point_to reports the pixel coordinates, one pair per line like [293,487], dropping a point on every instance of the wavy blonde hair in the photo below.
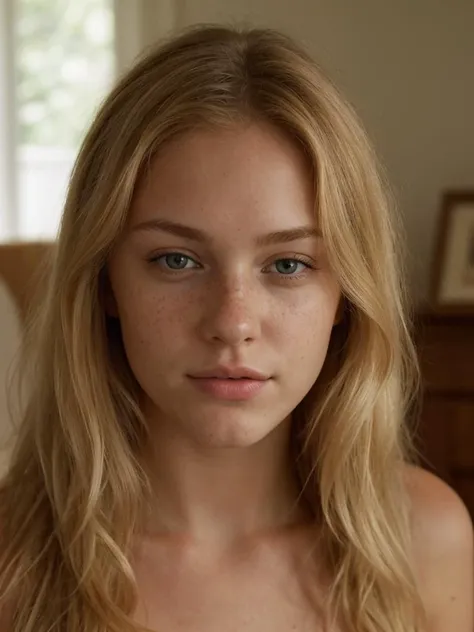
[74,493]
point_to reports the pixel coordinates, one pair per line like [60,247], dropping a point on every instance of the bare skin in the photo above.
[443,552]
[226,544]
[269,583]
[264,582]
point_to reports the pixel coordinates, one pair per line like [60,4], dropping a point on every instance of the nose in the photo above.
[232,314]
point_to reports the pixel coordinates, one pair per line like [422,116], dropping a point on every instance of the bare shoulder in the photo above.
[443,550]
[437,508]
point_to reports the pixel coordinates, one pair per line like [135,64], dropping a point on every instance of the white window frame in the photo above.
[138,23]
[8,189]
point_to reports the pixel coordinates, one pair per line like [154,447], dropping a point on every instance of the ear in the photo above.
[110,304]
[341,308]
[107,296]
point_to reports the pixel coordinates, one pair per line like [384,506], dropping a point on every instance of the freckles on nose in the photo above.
[230,312]
[236,299]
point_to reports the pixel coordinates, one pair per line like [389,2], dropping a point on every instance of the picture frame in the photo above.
[453,278]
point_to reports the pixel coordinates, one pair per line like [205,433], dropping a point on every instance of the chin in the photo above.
[230,433]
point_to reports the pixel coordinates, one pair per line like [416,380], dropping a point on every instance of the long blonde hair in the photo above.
[74,493]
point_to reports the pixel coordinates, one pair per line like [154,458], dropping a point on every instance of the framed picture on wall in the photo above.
[453,278]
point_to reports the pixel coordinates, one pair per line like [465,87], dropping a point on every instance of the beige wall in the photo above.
[408,67]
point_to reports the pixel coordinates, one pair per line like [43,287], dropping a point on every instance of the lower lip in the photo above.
[236,390]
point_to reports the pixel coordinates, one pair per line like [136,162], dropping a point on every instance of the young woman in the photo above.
[215,437]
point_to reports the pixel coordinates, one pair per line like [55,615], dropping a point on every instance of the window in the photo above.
[57,63]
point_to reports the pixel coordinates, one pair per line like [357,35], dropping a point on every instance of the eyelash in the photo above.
[285,277]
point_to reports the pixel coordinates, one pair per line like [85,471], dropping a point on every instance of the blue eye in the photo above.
[174,260]
[286,268]
[290,265]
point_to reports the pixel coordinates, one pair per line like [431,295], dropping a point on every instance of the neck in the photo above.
[220,494]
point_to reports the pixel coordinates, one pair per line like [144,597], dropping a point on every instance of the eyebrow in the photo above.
[195,234]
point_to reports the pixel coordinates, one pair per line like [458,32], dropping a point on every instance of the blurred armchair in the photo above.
[19,263]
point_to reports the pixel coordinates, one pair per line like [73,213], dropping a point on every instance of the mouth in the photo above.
[232,373]
[228,388]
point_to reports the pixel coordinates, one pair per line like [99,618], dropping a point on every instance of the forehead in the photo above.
[253,174]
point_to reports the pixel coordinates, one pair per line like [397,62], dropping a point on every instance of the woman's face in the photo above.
[221,266]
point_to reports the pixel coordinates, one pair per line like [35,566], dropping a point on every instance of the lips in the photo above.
[235,383]
[229,388]
[231,373]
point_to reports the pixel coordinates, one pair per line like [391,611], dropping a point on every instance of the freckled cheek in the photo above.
[151,320]
[306,327]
